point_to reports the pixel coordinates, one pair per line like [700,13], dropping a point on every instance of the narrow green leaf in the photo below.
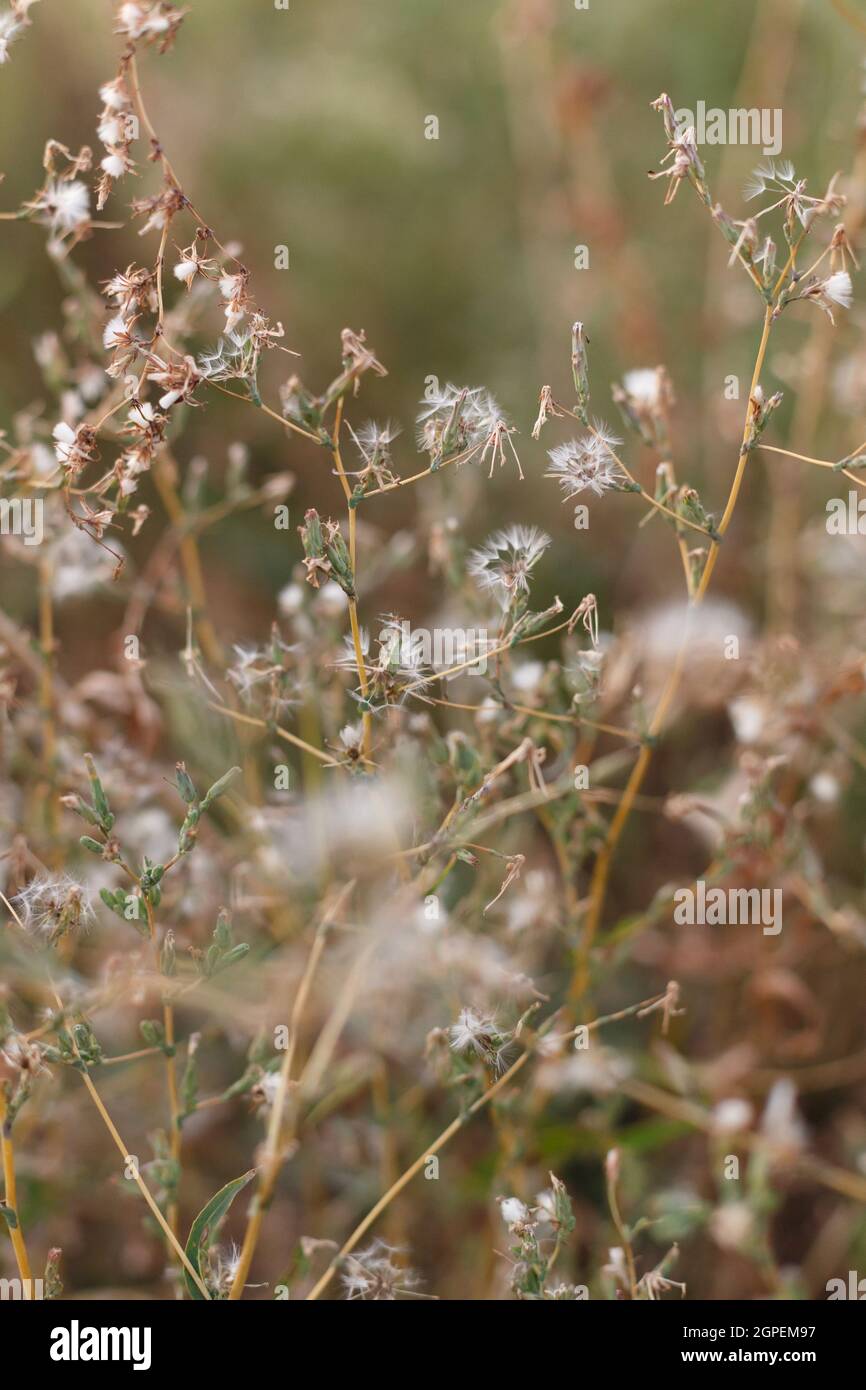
[219,787]
[205,1226]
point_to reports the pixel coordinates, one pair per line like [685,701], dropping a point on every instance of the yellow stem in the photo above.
[848,14]
[170,1069]
[453,1128]
[174,1105]
[397,1187]
[280,732]
[190,559]
[274,1145]
[601,868]
[143,1188]
[820,463]
[367,722]
[622,1232]
[136,1176]
[16,1234]
[46,690]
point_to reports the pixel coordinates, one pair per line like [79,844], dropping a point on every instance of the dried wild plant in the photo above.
[284,914]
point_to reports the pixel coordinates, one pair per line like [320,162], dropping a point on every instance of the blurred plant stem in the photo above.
[353,603]
[165,474]
[456,1125]
[13,1221]
[136,1176]
[46,692]
[601,868]
[276,1141]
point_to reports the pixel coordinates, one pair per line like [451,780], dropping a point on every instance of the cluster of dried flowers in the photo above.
[420,894]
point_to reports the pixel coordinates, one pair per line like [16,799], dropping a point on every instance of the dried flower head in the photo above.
[504,563]
[834,291]
[52,905]
[481,1036]
[373,1275]
[463,423]
[587,464]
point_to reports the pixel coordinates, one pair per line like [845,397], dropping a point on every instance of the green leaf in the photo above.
[185,785]
[219,787]
[233,956]
[205,1226]
[100,800]
[9,1216]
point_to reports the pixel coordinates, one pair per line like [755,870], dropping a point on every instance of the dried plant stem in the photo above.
[601,868]
[275,1143]
[782,557]
[576,719]
[136,1176]
[16,1234]
[819,463]
[280,732]
[396,1188]
[325,1045]
[190,559]
[425,472]
[173,1102]
[135,89]
[473,660]
[160,267]
[170,1069]
[844,9]
[846,1184]
[734,493]
[130,1056]
[622,1232]
[353,603]
[46,690]
[171,177]
[646,496]
[266,410]
[362,675]
[142,1186]
[770,53]
[687,569]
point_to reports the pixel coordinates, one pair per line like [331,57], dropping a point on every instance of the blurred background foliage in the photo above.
[306,128]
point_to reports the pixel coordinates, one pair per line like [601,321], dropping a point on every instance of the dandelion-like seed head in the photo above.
[460,420]
[373,1275]
[224,1266]
[643,386]
[587,464]
[23,1057]
[374,438]
[51,906]
[373,442]
[778,180]
[839,290]
[505,561]
[480,1035]
[515,1214]
[774,175]
[64,205]
[10,28]
[833,292]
